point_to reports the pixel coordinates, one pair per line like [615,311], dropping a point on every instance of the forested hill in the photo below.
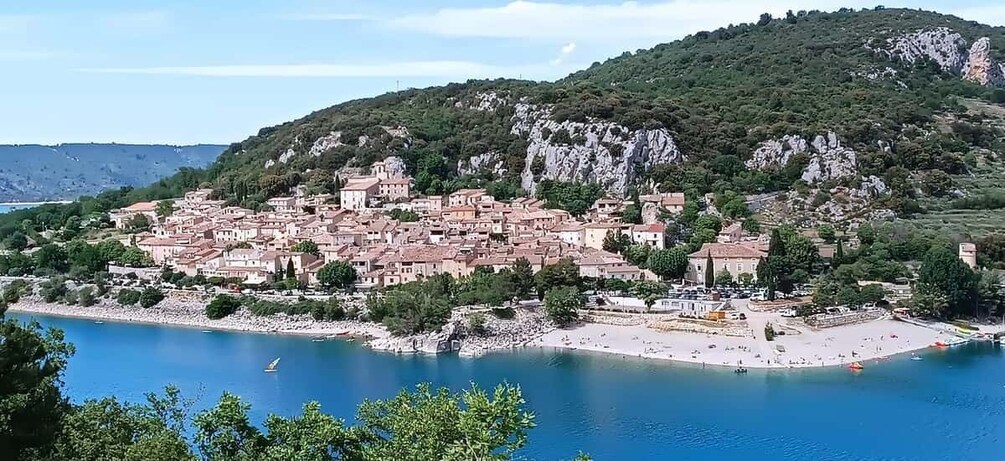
[67,171]
[886,97]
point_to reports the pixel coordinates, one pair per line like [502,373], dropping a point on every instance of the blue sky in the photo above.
[215,71]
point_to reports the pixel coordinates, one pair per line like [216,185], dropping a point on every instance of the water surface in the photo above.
[949,406]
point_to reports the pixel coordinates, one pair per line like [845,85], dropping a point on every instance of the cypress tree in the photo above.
[709,272]
[291,272]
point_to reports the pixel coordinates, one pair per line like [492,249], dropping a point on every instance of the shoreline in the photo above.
[828,348]
[639,342]
[236,323]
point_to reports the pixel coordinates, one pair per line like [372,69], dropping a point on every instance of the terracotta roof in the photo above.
[728,250]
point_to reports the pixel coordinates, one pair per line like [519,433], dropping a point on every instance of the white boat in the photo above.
[272,367]
[917,358]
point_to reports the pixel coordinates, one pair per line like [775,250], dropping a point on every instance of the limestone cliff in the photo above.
[950,51]
[599,151]
[828,159]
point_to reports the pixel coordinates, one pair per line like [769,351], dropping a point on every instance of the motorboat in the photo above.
[855,366]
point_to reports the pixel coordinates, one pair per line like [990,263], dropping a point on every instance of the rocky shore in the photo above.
[191,313]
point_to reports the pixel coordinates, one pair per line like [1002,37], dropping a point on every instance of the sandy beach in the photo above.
[831,347]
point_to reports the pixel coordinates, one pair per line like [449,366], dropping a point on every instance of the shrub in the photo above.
[150,297]
[127,297]
[222,306]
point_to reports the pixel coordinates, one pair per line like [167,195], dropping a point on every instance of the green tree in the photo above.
[51,257]
[943,273]
[826,232]
[16,241]
[709,271]
[668,263]
[564,273]
[31,404]
[138,223]
[723,278]
[225,432]
[85,297]
[562,304]
[337,274]
[307,246]
[522,275]
[291,271]
[165,208]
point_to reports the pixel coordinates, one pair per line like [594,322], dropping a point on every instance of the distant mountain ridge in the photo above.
[32,172]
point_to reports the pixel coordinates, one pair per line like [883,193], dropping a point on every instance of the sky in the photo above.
[186,71]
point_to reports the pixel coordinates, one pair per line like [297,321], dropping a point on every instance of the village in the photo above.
[454,234]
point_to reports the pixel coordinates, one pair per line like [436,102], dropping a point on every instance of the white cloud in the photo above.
[601,22]
[564,53]
[451,69]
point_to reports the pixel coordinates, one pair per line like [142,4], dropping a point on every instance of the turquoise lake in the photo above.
[950,406]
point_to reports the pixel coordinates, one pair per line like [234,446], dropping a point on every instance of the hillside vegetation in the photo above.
[684,116]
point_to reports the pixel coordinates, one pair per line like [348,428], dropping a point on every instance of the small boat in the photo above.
[272,366]
[917,359]
[317,339]
[856,366]
[207,331]
[350,340]
[940,344]
[98,322]
[740,371]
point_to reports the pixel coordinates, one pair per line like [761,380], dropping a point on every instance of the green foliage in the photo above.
[31,404]
[564,273]
[306,246]
[127,297]
[709,272]
[337,274]
[222,306]
[522,276]
[668,263]
[403,215]
[943,274]
[412,308]
[574,197]
[562,304]
[150,297]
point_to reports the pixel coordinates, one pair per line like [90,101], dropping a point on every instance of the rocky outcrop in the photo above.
[488,161]
[980,68]
[831,160]
[943,46]
[443,341]
[395,166]
[333,140]
[828,159]
[326,143]
[488,101]
[599,151]
[948,50]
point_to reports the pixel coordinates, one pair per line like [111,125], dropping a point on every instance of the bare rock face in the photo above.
[941,45]
[599,151]
[650,213]
[488,101]
[980,68]
[488,161]
[948,50]
[831,160]
[774,154]
[325,143]
[395,166]
[828,158]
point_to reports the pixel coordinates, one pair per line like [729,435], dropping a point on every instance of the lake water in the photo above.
[949,406]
